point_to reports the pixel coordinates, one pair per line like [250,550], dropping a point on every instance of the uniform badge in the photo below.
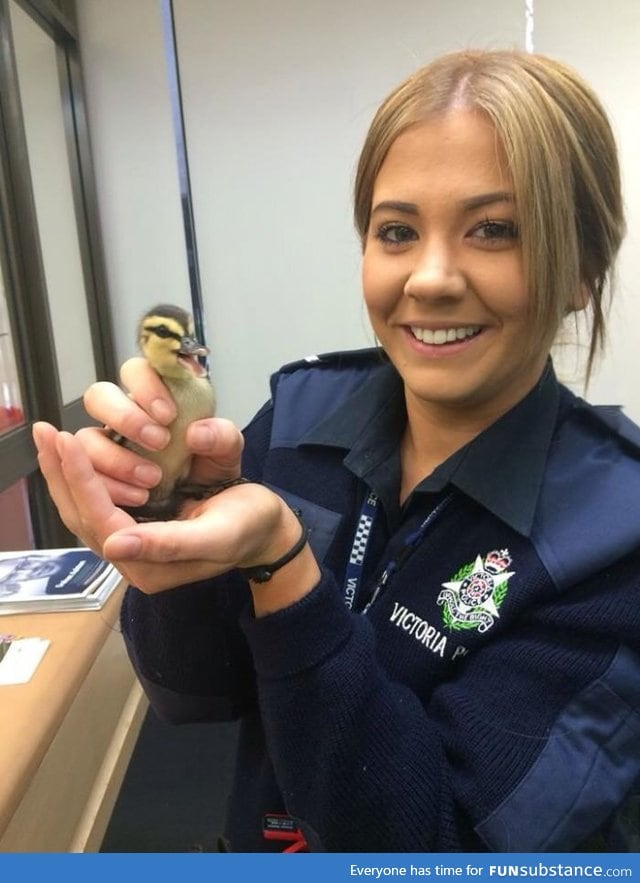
[473,596]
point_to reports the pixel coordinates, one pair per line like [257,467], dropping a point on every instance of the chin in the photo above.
[443,392]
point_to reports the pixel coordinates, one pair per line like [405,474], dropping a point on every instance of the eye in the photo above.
[395,234]
[162,331]
[495,233]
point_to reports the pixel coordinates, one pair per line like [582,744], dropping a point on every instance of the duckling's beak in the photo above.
[190,349]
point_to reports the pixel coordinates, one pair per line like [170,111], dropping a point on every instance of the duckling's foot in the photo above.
[204,491]
[167,509]
[156,510]
[194,491]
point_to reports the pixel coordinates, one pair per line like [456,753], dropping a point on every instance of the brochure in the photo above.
[42,580]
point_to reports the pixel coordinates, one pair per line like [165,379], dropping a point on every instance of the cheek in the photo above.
[369,283]
[504,291]
[380,287]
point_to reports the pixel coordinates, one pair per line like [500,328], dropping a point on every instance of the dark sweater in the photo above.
[489,697]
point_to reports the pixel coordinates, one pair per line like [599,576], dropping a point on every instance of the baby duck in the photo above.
[167,340]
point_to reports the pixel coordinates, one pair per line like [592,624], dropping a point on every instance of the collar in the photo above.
[501,469]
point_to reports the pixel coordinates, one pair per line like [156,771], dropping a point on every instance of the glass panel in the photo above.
[10,404]
[16,531]
[38,77]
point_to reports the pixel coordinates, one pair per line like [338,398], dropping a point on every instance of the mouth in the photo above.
[442,337]
[188,354]
[190,363]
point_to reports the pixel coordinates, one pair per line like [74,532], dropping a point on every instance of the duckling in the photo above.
[167,340]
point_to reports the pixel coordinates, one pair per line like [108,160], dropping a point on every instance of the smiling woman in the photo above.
[554,142]
[445,656]
[443,274]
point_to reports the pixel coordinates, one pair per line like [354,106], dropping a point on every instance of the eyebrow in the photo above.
[472,202]
[487,199]
[407,208]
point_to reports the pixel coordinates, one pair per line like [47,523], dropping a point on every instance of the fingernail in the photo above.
[154,436]
[125,547]
[134,496]
[201,438]
[147,474]
[161,411]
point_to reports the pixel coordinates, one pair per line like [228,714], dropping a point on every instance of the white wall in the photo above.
[601,41]
[37,66]
[132,142]
[278,95]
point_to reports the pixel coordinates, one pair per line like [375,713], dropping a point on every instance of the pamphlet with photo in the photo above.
[54,579]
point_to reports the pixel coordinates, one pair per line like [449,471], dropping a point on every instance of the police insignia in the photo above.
[474,595]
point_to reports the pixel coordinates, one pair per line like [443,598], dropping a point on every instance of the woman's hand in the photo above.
[142,416]
[88,474]
[243,526]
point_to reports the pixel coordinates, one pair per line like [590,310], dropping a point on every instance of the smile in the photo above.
[445,335]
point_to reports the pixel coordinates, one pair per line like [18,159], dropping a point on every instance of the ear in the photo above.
[580,300]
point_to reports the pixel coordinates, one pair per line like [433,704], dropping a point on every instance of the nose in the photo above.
[435,274]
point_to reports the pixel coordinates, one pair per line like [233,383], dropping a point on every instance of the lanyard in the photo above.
[359,546]
[353,575]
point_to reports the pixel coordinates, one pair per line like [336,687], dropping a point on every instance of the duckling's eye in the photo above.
[162,331]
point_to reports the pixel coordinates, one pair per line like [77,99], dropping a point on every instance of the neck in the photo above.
[434,432]
[427,443]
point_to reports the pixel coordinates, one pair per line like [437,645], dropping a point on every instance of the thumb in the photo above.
[218,445]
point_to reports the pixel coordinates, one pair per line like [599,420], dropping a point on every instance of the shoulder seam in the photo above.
[364,356]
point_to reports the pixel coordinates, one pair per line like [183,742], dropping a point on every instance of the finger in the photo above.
[45,438]
[97,515]
[221,530]
[118,465]
[218,439]
[148,390]
[218,444]
[108,404]
[177,541]
[217,536]
[123,494]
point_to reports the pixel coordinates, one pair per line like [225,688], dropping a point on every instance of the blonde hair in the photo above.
[562,158]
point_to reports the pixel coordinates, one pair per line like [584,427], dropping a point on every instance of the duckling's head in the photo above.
[166,339]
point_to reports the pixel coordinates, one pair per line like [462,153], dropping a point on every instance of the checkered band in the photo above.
[360,540]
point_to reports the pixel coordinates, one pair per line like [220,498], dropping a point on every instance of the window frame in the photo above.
[22,265]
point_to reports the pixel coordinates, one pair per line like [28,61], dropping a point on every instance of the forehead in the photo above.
[458,153]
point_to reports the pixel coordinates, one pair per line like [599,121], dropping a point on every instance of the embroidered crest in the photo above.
[473,596]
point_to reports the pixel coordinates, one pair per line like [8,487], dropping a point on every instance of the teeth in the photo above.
[444,335]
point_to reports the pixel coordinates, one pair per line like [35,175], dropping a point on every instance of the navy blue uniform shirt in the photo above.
[466,675]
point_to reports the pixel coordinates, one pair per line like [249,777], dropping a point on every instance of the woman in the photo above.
[451,661]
